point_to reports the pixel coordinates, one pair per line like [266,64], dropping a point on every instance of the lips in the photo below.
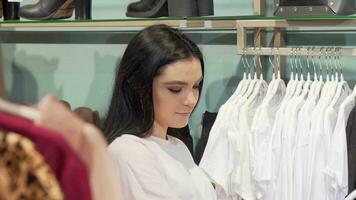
[185,114]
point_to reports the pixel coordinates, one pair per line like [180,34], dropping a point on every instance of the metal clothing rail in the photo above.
[291,51]
[279,25]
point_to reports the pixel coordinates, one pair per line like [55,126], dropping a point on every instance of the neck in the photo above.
[159,131]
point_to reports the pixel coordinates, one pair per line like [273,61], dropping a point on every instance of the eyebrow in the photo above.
[177,82]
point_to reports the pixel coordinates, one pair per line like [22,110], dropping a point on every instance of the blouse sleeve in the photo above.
[140,175]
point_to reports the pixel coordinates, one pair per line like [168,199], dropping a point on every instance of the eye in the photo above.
[197,87]
[175,90]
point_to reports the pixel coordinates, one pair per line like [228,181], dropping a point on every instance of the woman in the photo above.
[158,84]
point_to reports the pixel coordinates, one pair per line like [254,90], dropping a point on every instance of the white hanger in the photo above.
[342,86]
[315,76]
[243,85]
[274,74]
[333,83]
[248,80]
[308,82]
[292,83]
[301,81]
[320,85]
[260,87]
[278,87]
[325,90]
[253,82]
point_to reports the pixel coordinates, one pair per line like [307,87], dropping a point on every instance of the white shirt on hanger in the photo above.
[316,156]
[216,166]
[337,161]
[275,186]
[153,168]
[301,149]
[242,182]
[262,133]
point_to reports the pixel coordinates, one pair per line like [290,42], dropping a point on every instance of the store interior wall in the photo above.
[78,65]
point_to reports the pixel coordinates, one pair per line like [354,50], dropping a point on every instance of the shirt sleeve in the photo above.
[140,175]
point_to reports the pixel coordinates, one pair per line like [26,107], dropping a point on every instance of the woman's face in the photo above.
[176,92]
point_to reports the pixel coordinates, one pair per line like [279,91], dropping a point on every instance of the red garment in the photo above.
[66,165]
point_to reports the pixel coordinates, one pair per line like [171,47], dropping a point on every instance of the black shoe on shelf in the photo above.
[147,8]
[10,10]
[162,8]
[82,9]
[56,9]
[1,10]
[206,7]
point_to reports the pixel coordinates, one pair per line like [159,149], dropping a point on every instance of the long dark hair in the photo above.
[131,108]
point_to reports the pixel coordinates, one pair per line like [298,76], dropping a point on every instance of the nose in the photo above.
[191,99]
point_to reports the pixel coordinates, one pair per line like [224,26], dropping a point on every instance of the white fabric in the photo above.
[275,187]
[315,184]
[291,150]
[351,196]
[242,182]
[301,149]
[235,151]
[152,168]
[261,131]
[222,142]
[218,167]
[337,161]
[289,132]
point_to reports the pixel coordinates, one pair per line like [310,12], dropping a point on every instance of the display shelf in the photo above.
[174,22]
[184,22]
[192,22]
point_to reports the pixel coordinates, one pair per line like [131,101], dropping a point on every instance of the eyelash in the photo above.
[197,87]
[176,91]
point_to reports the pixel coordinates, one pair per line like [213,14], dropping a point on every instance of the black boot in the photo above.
[162,8]
[10,10]
[206,7]
[147,8]
[1,10]
[48,9]
[57,9]
[82,9]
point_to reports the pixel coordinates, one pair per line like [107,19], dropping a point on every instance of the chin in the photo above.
[179,125]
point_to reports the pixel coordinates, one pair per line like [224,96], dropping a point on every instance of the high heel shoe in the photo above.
[57,9]
[160,8]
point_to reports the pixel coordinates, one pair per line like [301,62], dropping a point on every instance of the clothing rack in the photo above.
[279,25]
[299,51]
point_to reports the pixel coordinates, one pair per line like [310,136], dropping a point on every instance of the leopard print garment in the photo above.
[24,175]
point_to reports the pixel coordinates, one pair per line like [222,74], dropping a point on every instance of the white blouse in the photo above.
[152,168]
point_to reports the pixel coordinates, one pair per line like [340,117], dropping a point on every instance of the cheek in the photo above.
[163,102]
